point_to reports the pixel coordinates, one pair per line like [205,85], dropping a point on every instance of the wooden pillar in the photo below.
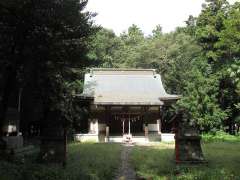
[146,131]
[146,110]
[129,126]
[107,120]
[107,133]
[90,126]
[123,126]
[159,122]
[159,126]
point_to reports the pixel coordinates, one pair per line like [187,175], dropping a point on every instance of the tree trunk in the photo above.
[53,138]
[8,87]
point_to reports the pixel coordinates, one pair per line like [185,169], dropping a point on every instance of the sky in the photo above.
[118,15]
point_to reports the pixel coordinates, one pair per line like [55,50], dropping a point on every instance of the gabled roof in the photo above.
[125,87]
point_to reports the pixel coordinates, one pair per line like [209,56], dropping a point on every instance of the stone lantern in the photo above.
[187,141]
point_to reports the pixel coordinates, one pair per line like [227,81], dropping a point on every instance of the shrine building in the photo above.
[124,105]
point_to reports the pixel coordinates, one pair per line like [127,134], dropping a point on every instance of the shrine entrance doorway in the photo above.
[126,123]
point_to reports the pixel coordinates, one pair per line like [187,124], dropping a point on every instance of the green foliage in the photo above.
[40,41]
[217,31]
[200,99]
[199,61]
[191,60]
[233,73]
[104,47]
[220,136]
[170,54]
[228,43]
[157,32]
[85,161]
[177,66]
[159,163]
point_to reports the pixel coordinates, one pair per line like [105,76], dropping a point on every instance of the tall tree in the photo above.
[216,32]
[40,42]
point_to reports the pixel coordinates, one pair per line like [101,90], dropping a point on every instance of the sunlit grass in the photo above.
[93,161]
[220,136]
[157,162]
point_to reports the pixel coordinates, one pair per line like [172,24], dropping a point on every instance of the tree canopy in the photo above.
[44,46]
[199,61]
[40,43]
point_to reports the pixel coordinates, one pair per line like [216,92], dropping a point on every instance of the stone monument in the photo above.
[187,141]
[53,141]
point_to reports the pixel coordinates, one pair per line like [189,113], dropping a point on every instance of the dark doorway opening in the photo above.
[115,126]
[120,123]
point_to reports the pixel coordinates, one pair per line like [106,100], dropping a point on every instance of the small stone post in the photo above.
[107,133]
[53,139]
[187,141]
[159,126]
[146,131]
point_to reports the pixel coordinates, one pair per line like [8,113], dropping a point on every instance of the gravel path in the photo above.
[125,171]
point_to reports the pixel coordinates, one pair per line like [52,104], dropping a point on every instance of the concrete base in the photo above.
[167,137]
[153,137]
[13,142]
[86,137]
[116,139]
[120,139]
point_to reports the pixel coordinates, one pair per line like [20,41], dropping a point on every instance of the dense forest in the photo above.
[201,61]
[41,42]
[45,47]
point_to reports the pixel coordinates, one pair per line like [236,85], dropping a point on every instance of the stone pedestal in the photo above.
[53,146]
[187,143]
[127,138]
[13,142]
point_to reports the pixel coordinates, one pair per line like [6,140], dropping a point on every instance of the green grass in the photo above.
[85,161]
[157,162]
[100,161]
[220,136]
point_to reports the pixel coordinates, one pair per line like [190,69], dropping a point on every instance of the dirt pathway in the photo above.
[125,171]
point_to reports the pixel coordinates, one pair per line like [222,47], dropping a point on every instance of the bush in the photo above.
[220,136]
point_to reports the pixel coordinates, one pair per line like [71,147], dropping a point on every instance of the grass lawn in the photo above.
[85,161]
[156,162]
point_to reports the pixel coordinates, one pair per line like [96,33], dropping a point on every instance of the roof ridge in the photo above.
[121,70]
